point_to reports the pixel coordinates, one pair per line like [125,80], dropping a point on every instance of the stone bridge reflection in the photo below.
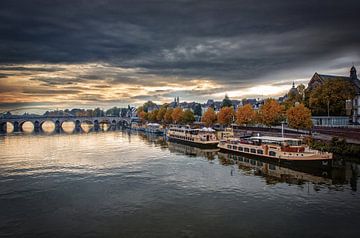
[16,123]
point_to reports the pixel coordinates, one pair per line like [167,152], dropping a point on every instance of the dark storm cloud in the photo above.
[226,40]
[40,91]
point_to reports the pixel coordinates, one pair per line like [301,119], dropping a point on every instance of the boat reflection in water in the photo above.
[339,173]
[210,154]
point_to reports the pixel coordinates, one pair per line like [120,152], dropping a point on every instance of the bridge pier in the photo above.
[37,127]
[3,127]
[57,127]
[16,126]
[77,126]
[96,125]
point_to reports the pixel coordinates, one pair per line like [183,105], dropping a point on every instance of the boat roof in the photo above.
[273,138]
[153,124]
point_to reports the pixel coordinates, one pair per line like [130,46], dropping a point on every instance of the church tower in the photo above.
[353,75]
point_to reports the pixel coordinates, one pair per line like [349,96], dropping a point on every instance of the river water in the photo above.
[118,184]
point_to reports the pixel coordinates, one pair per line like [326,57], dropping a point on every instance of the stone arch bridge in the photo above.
[17,121]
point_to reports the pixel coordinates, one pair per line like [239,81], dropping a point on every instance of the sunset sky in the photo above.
[104,53]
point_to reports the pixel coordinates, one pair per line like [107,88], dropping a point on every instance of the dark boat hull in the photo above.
[191,143]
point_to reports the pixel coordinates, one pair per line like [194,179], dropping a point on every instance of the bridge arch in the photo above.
[29,129]
[68,125]
[3,127]
[87,125]
[50,127]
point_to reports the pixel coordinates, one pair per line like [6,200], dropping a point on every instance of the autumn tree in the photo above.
[188,117]
[225,115]
[209,117]
[245,115]
[161,114]
[330,97]
[143,116]
[168,116]
[271,113]
[152,116]
[299,117]
[177,115]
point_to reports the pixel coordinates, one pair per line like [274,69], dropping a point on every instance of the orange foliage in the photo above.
[225,115]
[299,117]
[143,116]
[177,115]
[271,112]
[245,115]
[209,117]
[167,116]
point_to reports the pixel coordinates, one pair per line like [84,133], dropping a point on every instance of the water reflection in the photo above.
[86,126]
[9,127]
[124,184]
[48,127]
[68,126]
[27,127]
[192,151]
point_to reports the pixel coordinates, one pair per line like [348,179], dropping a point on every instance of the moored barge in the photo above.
[278,148]
[203,138]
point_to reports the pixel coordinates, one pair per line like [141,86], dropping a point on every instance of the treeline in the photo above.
[328,98]
[270,113]
[336,146]
[97,112]
[167,115]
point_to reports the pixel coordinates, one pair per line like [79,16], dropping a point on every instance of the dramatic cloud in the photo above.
[107,52]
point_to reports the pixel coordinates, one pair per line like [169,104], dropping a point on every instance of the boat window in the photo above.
[240,149]
[229,146]
[260,152]
[253,151]
[246,149]
[272,153]
[235,147]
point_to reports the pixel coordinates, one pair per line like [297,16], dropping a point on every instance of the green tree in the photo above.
[226,102]
[188,117]
[293,98]
[198,109]
[161,114]
[330,97]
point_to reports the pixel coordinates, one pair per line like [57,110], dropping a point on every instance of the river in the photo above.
[119,184]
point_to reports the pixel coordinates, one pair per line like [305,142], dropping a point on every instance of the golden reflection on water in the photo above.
[104,126]
[27,127]
[9,127]
[68,126]
[48,127]
[78,153]
[86,126]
